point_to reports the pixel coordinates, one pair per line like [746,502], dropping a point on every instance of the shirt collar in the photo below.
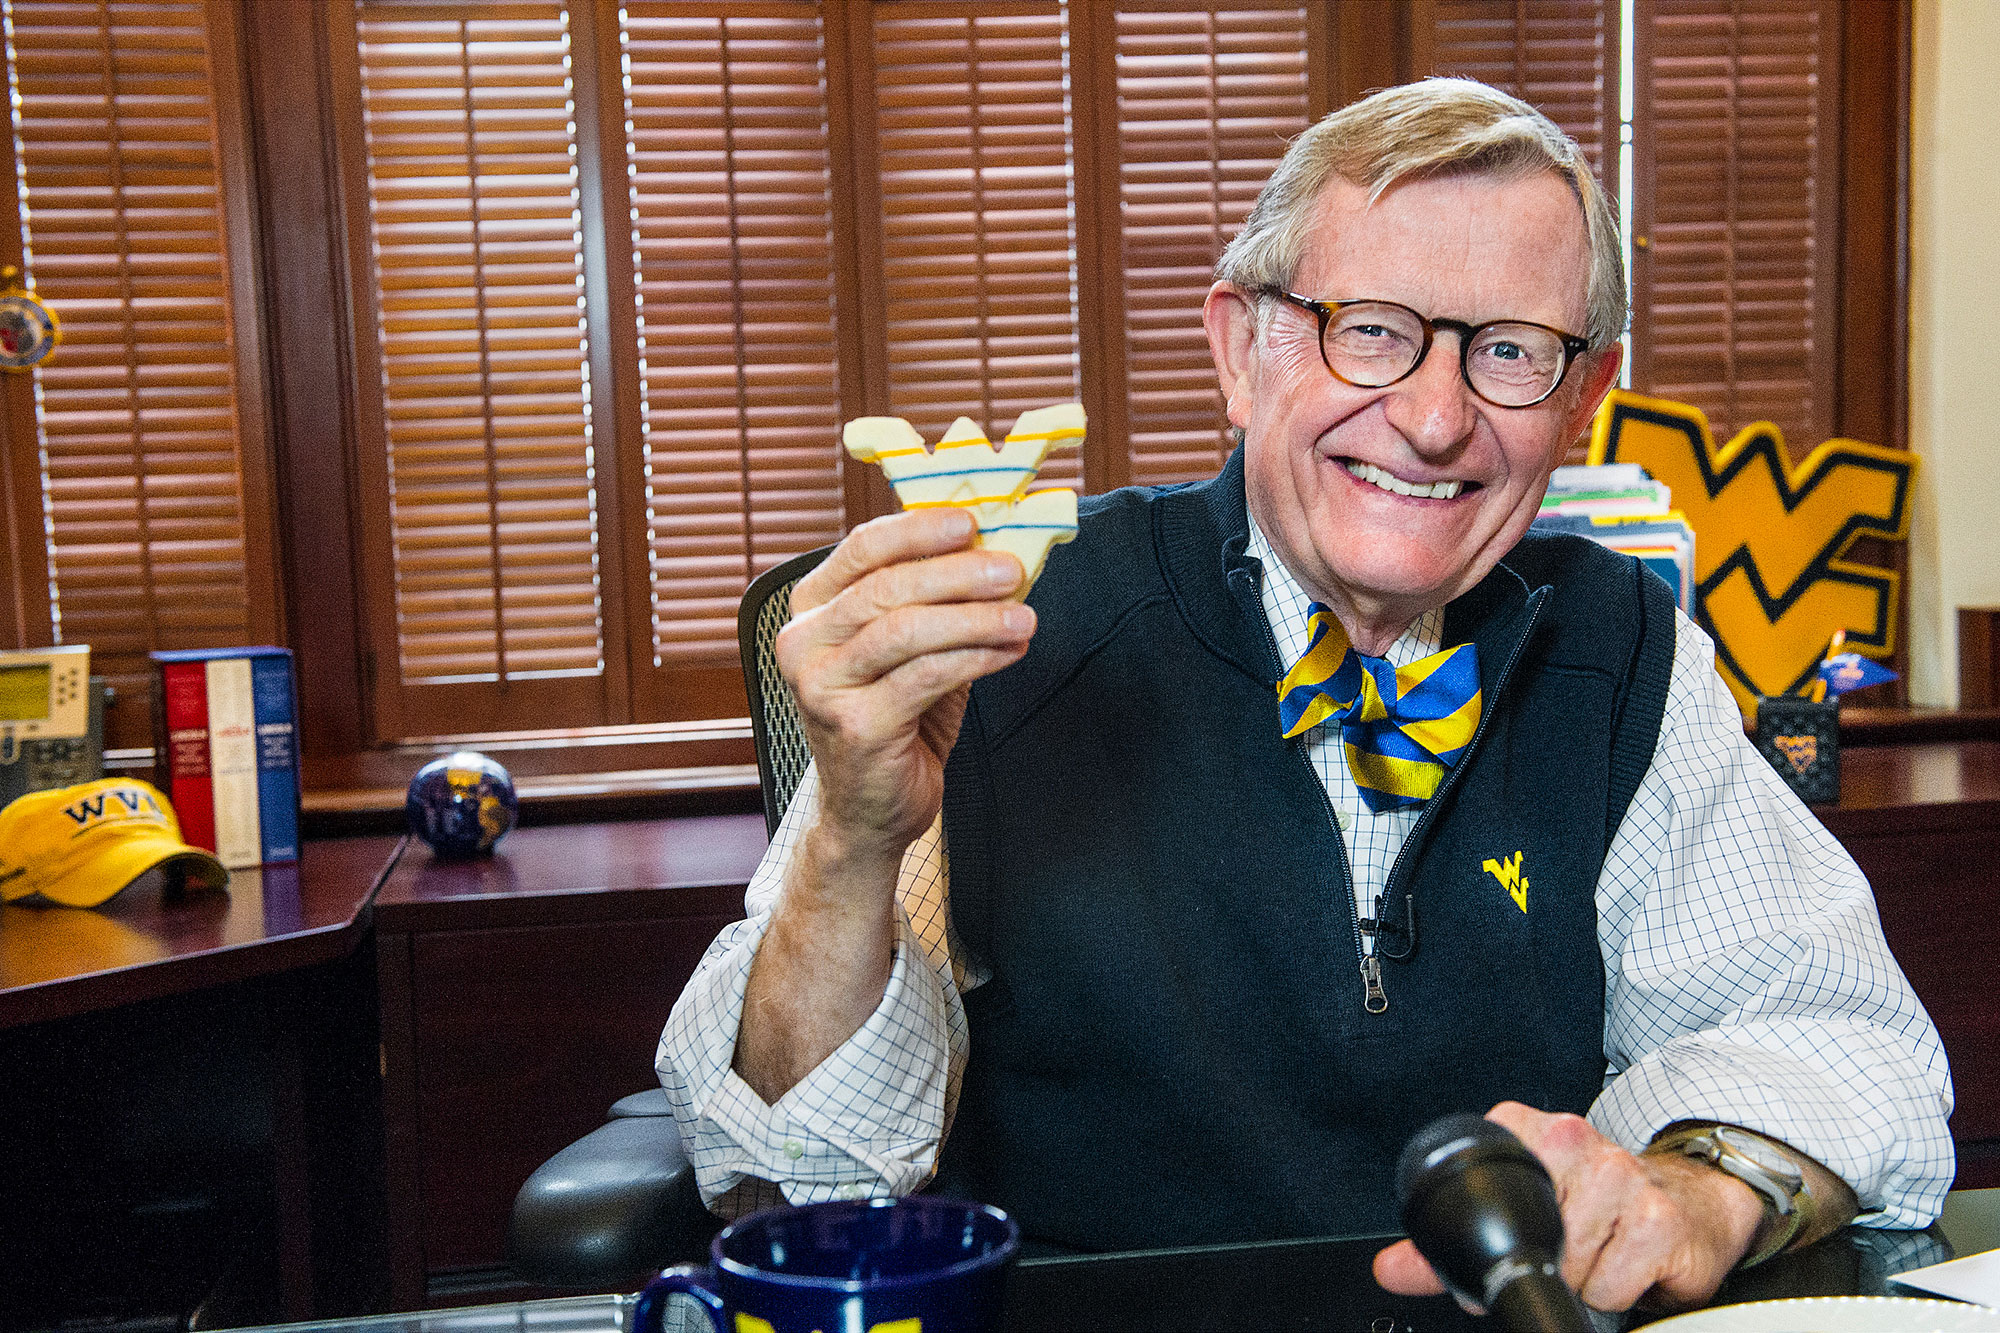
[1286,606]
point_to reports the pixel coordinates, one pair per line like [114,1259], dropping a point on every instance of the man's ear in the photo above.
[1600,372]
[1231,320]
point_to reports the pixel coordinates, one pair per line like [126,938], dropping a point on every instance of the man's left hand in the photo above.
[1659,1228]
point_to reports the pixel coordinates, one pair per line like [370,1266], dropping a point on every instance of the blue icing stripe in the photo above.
[960,472]
[1031,527]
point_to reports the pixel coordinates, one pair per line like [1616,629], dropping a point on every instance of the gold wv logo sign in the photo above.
[1771,581]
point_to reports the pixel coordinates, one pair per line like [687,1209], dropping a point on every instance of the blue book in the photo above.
[277,756]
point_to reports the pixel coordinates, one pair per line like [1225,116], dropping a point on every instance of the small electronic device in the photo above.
[51,720]
[44,696]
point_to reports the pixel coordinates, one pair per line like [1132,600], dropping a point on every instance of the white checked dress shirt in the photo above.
[1746,981]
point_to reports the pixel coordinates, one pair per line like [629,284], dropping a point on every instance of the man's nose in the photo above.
[1434,408]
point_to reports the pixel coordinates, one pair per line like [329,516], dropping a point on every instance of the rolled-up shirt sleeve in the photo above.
[867,1121]
[1747,980]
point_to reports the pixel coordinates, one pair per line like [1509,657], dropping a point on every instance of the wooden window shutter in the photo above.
[146,426]
[976,238]
[1207,98]
[732,241]
[481,518]
[1561,56]
[1734,223]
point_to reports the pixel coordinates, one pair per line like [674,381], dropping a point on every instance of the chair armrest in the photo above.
[653,1101]
[611,1209]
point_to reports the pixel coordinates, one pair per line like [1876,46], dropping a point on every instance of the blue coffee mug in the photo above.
[916,1265]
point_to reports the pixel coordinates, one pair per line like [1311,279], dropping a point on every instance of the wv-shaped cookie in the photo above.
[966,470]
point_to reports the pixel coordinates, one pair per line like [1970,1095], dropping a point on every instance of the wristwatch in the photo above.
[1789,1207]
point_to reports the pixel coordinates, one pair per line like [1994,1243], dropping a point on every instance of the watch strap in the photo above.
[1787,1212]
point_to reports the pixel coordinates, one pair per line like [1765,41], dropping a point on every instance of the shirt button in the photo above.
[794,1149]
[849,1190]
[1342,818]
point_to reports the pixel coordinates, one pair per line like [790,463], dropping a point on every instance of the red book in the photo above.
[184,762]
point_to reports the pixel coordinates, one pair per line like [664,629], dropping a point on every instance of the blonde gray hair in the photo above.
[1438,127]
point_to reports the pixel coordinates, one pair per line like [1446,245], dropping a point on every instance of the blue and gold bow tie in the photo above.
[1401,727]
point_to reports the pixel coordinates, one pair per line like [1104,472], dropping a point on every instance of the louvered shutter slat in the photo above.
[1730,314]
[973,150]
[136,414]
[474,221]
[1208,97]
[1558,55]
[733,252]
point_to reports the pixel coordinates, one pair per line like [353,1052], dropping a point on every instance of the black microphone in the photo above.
[1483,1210]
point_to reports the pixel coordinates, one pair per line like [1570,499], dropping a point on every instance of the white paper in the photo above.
[1974,1278]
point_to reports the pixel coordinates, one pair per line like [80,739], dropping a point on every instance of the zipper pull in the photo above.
[1376,999]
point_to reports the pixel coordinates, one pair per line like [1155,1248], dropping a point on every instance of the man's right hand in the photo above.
[886,637]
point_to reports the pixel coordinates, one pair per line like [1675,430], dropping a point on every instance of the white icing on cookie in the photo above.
[968,472]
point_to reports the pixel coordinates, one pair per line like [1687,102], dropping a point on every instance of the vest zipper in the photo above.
[1376,999]
[1464,758]
[1373,998]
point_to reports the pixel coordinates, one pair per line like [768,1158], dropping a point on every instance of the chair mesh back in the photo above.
[782,753]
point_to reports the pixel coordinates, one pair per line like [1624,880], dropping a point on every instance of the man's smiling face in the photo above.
[1387,502]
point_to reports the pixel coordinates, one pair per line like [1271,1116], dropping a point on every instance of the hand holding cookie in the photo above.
[886,637]
[889,633]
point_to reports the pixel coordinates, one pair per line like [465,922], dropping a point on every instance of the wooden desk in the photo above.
[58,962]
[520,996]
[1923,823]
[189,1090]
[1321,1283]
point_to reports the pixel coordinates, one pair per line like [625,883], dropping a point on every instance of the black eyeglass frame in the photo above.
[1324,311]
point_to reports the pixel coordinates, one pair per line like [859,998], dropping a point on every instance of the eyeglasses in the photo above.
[1373,344]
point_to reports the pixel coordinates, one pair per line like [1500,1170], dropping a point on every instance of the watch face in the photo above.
[1763,1154]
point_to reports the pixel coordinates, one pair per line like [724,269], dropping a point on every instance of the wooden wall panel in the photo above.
[523,1039]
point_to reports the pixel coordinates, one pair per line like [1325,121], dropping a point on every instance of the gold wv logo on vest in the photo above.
[1509,874]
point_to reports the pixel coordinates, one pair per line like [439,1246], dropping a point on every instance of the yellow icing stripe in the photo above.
[978,440]
[1061,433]
[957,504]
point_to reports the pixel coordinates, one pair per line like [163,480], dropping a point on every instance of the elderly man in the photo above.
[1301,806]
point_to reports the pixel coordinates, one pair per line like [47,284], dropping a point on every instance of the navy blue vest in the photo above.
[1173,1048]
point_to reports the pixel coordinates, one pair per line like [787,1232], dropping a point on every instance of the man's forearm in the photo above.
[823,963]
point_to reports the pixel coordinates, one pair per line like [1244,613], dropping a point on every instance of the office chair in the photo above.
[620,1203]
[782,754]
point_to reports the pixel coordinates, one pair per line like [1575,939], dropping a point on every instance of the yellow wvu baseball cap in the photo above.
[79,846]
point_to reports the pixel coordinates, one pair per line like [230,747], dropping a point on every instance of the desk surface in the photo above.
[59,962]
[1886,788]
[1305,1284]
[56,961]
[598,870]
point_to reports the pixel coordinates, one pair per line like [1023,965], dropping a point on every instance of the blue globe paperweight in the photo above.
[461,804]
